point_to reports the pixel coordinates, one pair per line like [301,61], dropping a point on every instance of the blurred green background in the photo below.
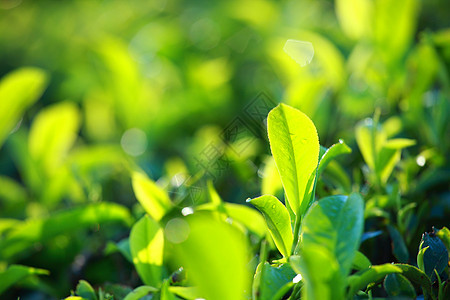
[121,84]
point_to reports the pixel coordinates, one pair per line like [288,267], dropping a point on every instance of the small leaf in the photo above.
[247,216]
[155,201]
[277,220]
[15,273]
[399,143]
[331,153]
[140,292]
[273,279]
[374,274]
[147,245]
[166,294]
[444,235]
[295,148]
[18,91]
[85,290]
[360,262]
[397,285]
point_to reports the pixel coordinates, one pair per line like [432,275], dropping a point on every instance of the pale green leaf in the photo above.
[52,134]
[153,199]
[295,147]
[213,254]
[18,91]
[278,221]
[147,246]
[190,293]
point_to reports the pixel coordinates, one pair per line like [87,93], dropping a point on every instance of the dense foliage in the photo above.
[132,133]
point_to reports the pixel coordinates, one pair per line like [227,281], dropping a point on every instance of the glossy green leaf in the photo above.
[15,273]
[331,153]
[418,277]
[336,224]
[272,279]
[18,91]
[52,134]
[278,221]
[215,253]
[140,292]
[360,262]
[374,274]
[397,285]
[24,235]
[155,201]
[147,246]
[295,148]
[85,290]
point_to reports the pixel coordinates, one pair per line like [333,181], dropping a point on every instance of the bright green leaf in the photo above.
[140,292]
[373,274]
[147,245]
[190,293]
[273,279]
[295,147]
[278,221]
[18,91]
[155,201]
[15,273]
[361,262]
[331,153]
[213,254]
[320,273]
[52,134]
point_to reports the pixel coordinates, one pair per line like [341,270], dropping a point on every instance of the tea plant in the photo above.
[225,251]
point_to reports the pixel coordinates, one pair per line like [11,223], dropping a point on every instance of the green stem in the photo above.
[298,221]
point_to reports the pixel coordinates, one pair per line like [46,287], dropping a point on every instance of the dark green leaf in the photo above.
[397,285]
[435,257]
[85,290]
